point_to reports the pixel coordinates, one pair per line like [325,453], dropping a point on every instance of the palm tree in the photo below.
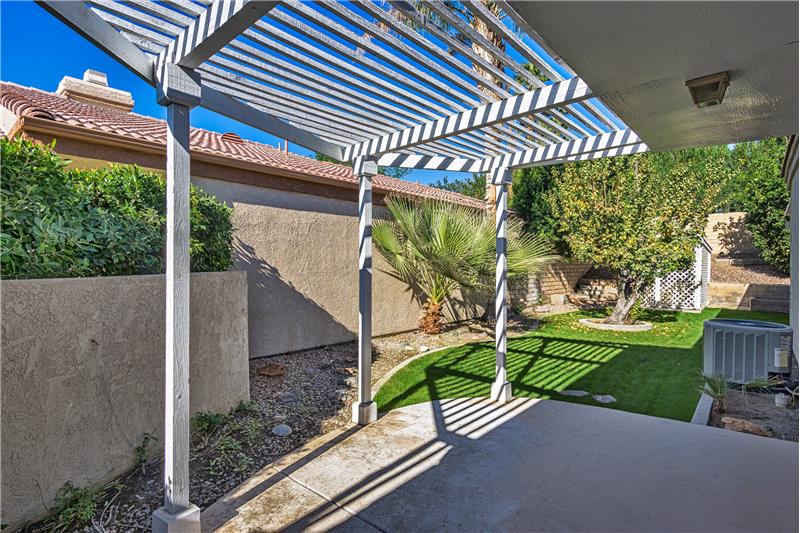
[438,247]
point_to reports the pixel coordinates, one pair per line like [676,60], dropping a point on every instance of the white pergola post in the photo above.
[178,514]
[365,410]
[501,388]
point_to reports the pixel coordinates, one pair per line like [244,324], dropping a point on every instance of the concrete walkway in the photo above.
[470,465]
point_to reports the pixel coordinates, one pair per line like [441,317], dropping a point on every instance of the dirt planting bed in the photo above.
[294,398]
[753,412]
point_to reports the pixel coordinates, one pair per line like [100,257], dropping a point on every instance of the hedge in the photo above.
[58,222]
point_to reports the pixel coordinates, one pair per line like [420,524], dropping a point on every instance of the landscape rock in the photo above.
[408,348]
[604,398]
[282,430]
[286,397]
[351,381]
[574,393]
[744,426]
[272,370]
[342,394]
[423,349]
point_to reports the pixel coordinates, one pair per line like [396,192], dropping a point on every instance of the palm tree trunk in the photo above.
[431,320]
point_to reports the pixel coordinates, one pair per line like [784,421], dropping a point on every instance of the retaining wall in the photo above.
[749,296]
[83,375]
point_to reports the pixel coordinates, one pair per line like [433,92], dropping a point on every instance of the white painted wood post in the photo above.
[364,410]
[501,388]
[178,514]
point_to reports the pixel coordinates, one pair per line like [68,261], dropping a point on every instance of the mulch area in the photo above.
[725,273]
[311,395]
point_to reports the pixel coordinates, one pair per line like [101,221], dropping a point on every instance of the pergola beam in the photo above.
[543,99]
[565,151]
[88,24]
[219,24]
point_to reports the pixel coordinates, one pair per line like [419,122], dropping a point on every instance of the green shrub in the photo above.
[762,192]
[102,222]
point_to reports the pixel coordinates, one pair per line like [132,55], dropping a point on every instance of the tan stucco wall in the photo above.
[301,255]
[83,375]
[728,236]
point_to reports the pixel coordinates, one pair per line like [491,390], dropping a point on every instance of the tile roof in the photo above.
[27,101]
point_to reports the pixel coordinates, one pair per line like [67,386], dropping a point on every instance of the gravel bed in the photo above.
[725,273]
[760,409]
[312,397]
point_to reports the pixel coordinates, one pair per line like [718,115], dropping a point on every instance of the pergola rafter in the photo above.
[359,82]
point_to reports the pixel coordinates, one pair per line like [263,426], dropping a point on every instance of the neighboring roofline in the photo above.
[94,137]
[30,121]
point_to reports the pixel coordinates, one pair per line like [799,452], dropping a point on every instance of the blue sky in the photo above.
[37,50]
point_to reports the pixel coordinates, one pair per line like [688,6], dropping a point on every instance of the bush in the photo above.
[105,222]
[762,192]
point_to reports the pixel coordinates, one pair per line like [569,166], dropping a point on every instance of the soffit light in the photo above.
[709,90]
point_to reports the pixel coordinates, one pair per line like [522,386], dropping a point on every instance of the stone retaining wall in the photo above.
[83,376]
[559,278]
[749,296]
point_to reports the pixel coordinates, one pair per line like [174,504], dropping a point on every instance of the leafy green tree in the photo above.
[530,191]
[759,189]
[474,186]
[641,215]
[438,247]
[392,172]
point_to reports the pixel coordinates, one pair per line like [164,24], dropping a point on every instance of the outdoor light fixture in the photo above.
[709,90]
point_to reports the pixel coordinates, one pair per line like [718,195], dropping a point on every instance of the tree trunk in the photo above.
[431,320]
[628,293]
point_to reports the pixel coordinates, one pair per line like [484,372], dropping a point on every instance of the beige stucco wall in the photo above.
[300,252]
[83,375]
[728,236]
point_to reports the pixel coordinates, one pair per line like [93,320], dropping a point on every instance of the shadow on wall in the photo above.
[280,315]
[730,236]
[464,304]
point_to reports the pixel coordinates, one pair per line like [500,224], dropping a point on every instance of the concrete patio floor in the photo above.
[470,465]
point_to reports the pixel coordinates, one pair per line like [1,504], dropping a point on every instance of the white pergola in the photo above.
[367,82]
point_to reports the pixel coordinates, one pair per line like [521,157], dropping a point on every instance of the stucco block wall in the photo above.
[83,375]
[728,236]
[300,252]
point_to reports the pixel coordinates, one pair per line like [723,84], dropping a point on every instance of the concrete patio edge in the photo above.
[702,413]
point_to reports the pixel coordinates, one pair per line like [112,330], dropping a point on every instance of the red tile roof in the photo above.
[27,101]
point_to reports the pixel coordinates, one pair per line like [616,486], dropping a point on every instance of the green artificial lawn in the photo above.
[655,372]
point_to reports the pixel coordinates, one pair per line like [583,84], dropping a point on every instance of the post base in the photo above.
[365,413]
[184,521]
[501,392]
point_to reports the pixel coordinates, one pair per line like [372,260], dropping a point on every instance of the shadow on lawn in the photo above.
[654,380]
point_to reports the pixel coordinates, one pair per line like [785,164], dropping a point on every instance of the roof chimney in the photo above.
[94,89]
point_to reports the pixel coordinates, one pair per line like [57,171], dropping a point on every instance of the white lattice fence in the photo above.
[682,289]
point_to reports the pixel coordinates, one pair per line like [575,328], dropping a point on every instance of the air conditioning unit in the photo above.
[742,350]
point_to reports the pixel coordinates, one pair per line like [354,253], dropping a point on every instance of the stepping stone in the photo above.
[604,398]
[575,393]
[282,430]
